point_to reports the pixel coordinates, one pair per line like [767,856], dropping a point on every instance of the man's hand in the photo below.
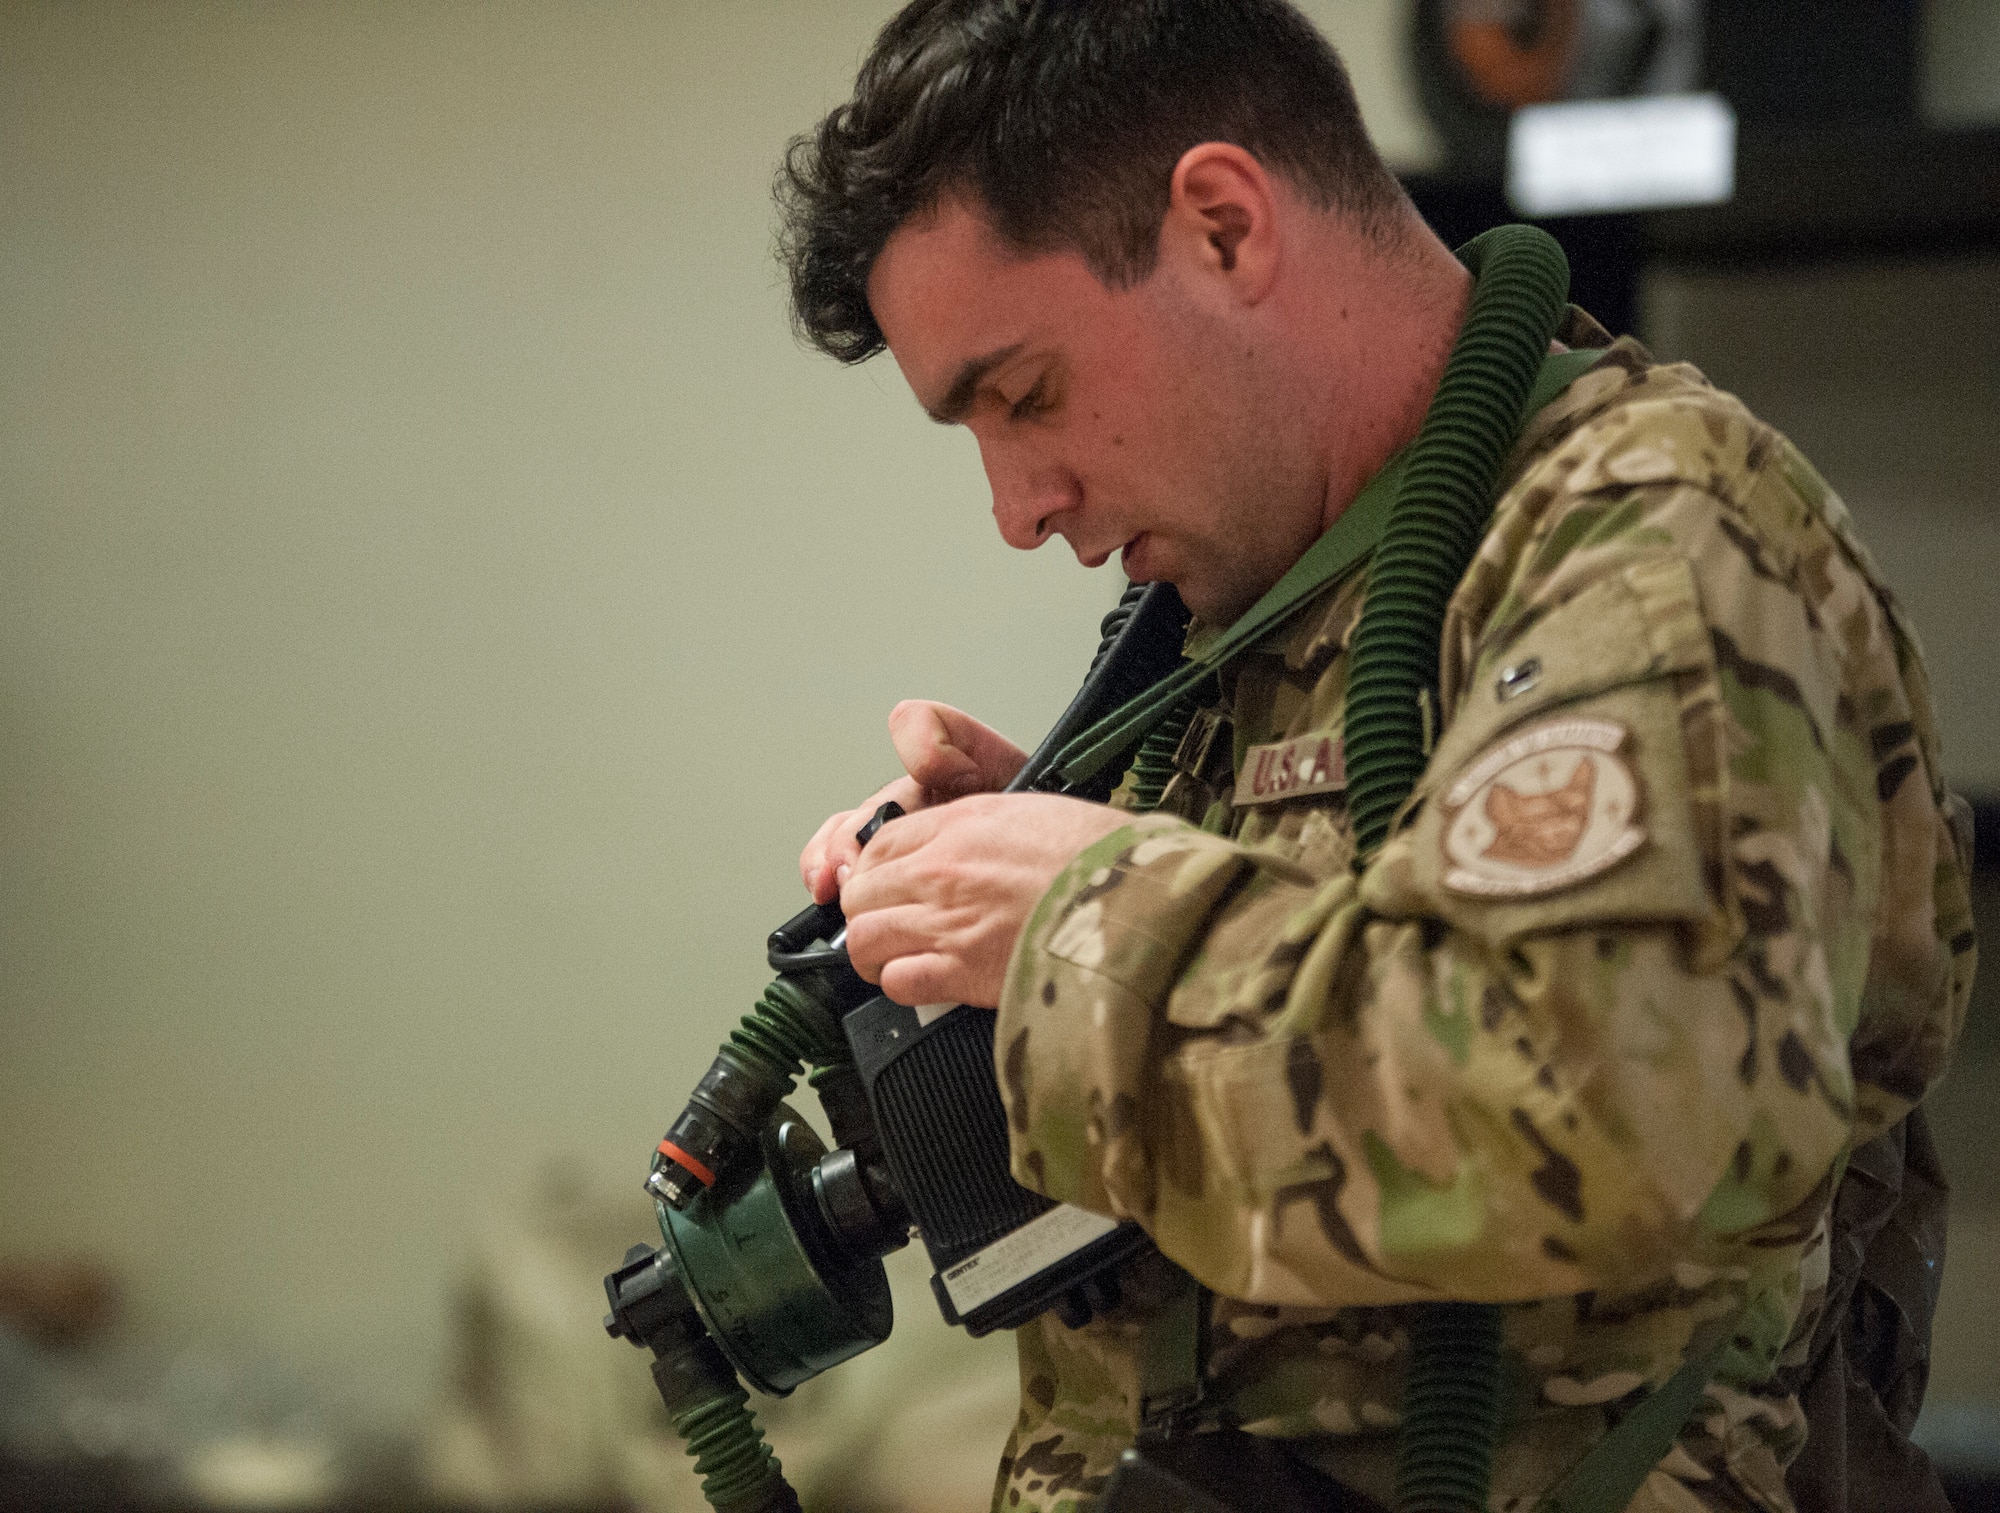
[934,904]
[947,755]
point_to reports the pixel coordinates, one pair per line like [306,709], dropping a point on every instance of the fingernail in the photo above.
[840,875]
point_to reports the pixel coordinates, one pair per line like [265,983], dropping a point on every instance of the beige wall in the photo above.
[436,599]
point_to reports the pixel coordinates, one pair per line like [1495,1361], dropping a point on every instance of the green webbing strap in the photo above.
[1170,1362]
[1350,538]
[1613,1469]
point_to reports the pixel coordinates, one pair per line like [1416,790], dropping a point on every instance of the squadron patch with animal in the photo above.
[1546,808]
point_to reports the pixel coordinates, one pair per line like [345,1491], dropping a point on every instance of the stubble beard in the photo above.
[1261,485]
[1267,501]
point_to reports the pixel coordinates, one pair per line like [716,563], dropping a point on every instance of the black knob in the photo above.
[889,811]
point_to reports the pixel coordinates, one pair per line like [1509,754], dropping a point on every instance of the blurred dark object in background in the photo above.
[57,1302]
[1833,160]
[1965,1449]
[1833,62]
[1855,62]
[1477,61]
[1607,253]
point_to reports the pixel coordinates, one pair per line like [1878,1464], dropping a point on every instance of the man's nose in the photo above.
[1029,497]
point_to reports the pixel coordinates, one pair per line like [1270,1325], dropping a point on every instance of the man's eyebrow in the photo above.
[958,399]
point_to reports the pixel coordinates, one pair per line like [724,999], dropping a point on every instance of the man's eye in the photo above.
[1031,403]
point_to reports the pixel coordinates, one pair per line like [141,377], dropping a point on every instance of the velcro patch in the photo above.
[1289,769]
[1542,810]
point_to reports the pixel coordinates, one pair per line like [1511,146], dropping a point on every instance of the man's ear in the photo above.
[1222,213]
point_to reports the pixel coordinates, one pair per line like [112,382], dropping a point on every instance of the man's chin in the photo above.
[1206,605]
[1208,601]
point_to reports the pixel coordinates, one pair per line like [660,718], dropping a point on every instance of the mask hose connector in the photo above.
[753,1073]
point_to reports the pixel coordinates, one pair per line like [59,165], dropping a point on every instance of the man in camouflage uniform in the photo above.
[1674,923]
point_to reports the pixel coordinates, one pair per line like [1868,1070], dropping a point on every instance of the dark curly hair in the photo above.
[1063,120]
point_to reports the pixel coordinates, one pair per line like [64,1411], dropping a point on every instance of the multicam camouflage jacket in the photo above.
[1674,920]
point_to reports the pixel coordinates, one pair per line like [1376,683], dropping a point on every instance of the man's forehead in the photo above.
[928,274]
[948,294]
[951,229]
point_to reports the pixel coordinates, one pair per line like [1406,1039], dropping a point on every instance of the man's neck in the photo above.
[1383,321]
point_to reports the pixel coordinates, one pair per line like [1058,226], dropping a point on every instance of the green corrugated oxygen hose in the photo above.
[1444,1457]
[1153,764]
[1440,515]
[785,1032]
[738,1472]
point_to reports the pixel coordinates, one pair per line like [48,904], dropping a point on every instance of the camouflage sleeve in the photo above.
[1585,1020]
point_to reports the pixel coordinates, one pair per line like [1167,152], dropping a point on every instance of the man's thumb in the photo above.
[927,746]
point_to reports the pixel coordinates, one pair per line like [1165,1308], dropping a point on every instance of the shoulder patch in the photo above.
[1312,763]
[1548,807]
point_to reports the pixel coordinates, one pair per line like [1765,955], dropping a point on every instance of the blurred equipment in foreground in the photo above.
[538,1413]
[92,1419]
[58,1302]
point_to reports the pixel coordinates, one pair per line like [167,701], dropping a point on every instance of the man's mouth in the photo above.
[1099,558]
